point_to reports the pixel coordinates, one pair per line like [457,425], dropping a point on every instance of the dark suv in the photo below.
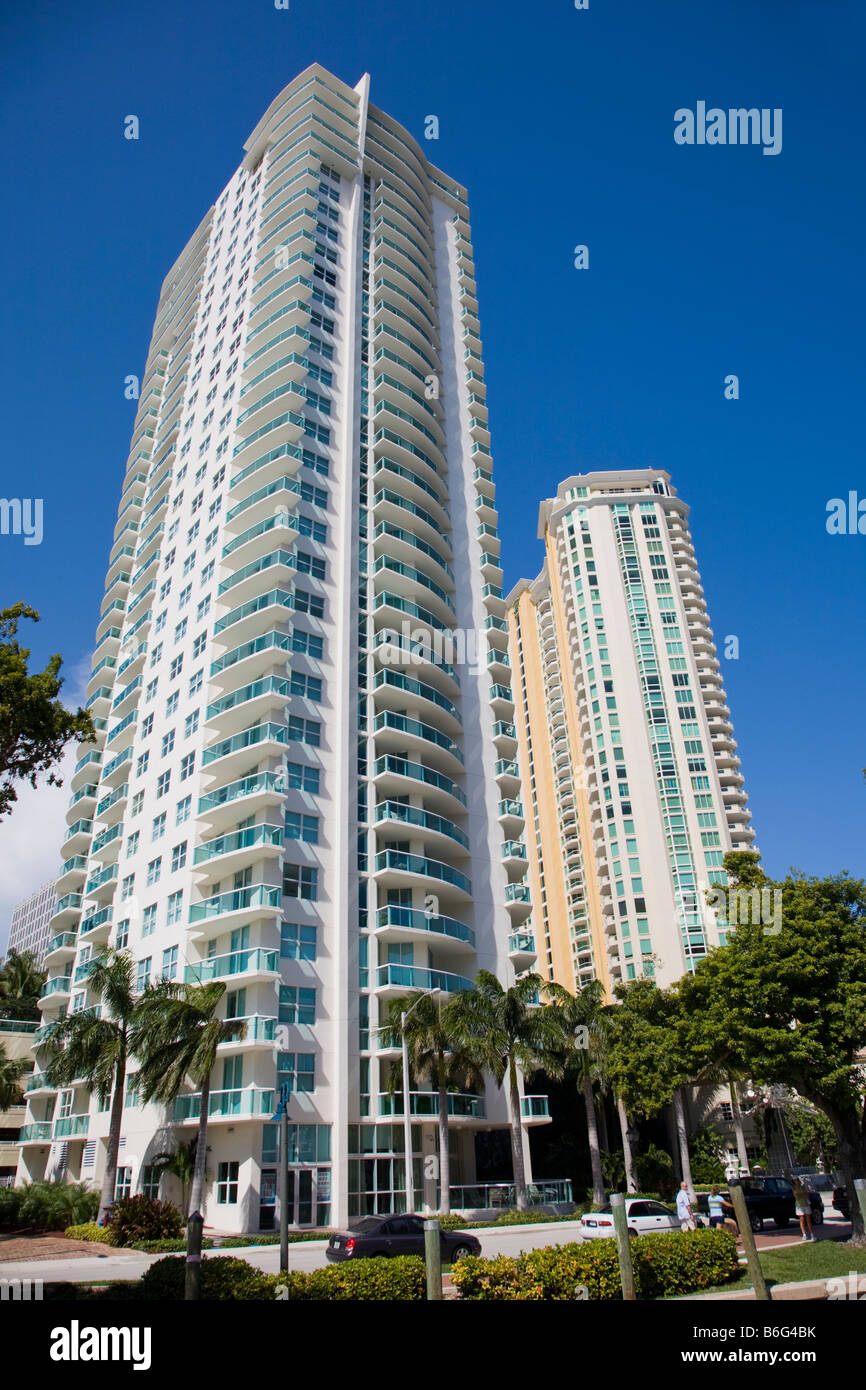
[773,1199]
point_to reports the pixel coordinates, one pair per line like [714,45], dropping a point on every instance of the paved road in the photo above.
[309,1255]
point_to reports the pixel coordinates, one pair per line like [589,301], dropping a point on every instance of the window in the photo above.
[304,730]
[142,974]
[158,826]
[297,1070]
[136,804]
[187,766]
[300,882]
[178,857]
[123,1183]
[175,668]
[146,725]
[301,778]
[154,869]
[169,963]
[127,887]
[310,686]
[163,782]
[190,724]
[175,908]
[132,844]
[149,1180]
[297,1005]
[207,573]
[195,683]
[202,610]
[180,630]
[122,935]
[141,763]
[148,923]
[183,810]
[184,596]
[227,1184]
[171,703]
[301,827]
[167,743]
[297,941]
[199,645]
[151,689]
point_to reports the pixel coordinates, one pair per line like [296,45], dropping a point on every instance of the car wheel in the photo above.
[756,1222]
[632,1233]
[818,1217]
[460,1252]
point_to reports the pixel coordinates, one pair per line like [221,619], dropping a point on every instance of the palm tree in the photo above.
[582,1019]
[95,1047]
[506,1032]
[432,1037]
[176,1038]
[21,981]
[11,1071]
[181,1165]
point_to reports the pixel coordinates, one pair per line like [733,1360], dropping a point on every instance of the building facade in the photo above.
[631,780]
[30,928]
[305,781]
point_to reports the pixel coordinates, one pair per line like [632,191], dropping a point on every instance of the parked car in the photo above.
[643,1217]
[767,1199]
[396,1235]
[841,1202]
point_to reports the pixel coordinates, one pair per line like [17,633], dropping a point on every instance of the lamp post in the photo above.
[407,1107]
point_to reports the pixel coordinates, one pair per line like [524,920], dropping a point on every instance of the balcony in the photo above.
[37,1133]
[517,900]
[534,1108]
[261,1031]
[38,1082]
[71,1127]
[67,910]
[251,659]
[511,816]
[268,740]
[238,710]
[251,1103]
[407,924]
[242,905]
[397,979]
[397,732]
[61,947]
[245,797]
[255,965]
[521,949]
[425,1105]
[239,849]
[72,874]
[392,772]
[393,813]
[97,926]
[102,886]
[56,989]
[78,837]
[393,865]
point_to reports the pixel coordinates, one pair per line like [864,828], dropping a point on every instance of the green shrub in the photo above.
[89,1231]
[144,1218]
[47,1206]
[221,1278]
[402,1279]
[167,1247]
[237,1242]
[655,1169]
[681,1262]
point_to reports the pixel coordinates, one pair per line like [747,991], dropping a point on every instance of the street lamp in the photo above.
[407,1108]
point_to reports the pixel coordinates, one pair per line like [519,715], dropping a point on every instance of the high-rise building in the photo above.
[304,783]
[29,930]
[631,781]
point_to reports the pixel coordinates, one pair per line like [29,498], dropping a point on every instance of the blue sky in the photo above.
[704,261]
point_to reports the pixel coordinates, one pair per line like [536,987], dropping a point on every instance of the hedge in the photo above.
[682,1262]
[221,1278]
[47,1206]
[401,1279]
[168,1246]
[238,1242]
[89,1231]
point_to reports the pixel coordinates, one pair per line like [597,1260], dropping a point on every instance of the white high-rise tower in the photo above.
[304,783]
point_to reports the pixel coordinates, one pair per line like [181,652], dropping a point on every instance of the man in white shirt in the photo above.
[684,1209]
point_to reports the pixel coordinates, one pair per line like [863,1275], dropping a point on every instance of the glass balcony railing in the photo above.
[426,820]
[401,724]
[239,900]
[402,862]
[534,1107]
[249,738]
[63,940]
[426,1103]
[252,962]
[250,1102]
[521,943]
[419,977]
[239,839]
[412,687]
[280,641]
[517,893]
[37,1082]
[513,849]
[244,786]
[60,984]
[97,919]
[402,767]
[71,1127]
[39,1133]
[69,900]
[416,920]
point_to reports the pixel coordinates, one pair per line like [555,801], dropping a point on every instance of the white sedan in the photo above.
[643,1217]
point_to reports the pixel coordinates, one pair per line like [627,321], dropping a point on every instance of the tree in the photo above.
[21,982]
[35,726]
[811,1134]
[435,1050]
[649,1060]
[11,1071]
[181,1165]
[176,1038]
[584,1035]
[789,1007]
[507,1032]
[96,1047]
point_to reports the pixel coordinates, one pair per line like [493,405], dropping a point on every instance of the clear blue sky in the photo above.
[703,262]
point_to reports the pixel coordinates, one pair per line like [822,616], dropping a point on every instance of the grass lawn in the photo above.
[821,1259]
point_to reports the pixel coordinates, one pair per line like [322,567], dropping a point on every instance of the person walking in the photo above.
[684,1209]
[716,1207]
[803,1208]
